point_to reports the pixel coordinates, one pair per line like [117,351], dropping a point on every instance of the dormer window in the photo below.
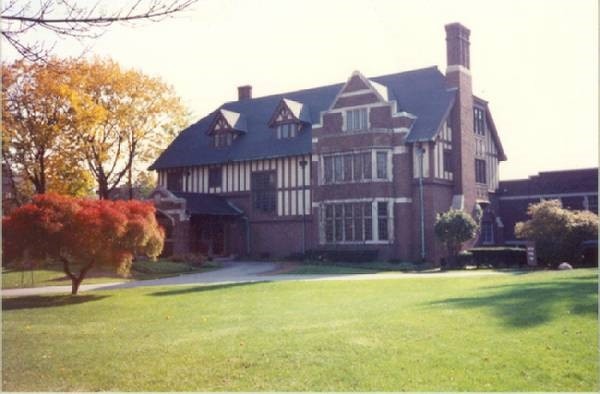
[226,127]
[287,130]
[223,139]
[288,118]
[357,119]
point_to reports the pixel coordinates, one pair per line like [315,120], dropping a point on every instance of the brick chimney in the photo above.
[458,76]
[457,45]
[244,92]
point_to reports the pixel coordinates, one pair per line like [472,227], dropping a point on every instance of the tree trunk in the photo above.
[130,182]
[103,189]
[75,282]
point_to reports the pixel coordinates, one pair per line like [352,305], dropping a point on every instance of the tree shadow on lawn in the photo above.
[526,305]
[206,287]
[46,301]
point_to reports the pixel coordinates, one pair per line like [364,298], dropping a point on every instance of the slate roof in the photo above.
[208,204]
[420,92]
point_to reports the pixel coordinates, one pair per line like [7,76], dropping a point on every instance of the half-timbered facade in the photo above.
[366,164]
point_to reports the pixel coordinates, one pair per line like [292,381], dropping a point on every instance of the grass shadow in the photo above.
[46,301]
[203,288]
[526,305]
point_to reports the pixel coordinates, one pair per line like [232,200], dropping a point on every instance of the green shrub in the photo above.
[558,233]
[191,258]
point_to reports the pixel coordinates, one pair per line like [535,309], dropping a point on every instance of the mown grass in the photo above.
[528,332]
[309,269]
[53,275]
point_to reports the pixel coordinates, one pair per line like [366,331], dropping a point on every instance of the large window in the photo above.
[264,194]
[357,119]
[480,176]
[175,180]
[353,167]
[287,130]
[215,175]
[479,121]
[352,222]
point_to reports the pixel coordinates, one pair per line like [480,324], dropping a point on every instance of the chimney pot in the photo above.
[244,92]
[457,45]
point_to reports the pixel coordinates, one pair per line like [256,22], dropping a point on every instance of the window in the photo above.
[487,232]
[351,222]
[367,167]
[480,176]
[356,119]
[479,121]
[328,169]
[329,223]
[222,139]
[347,168]
[264,191]
[215,175]
[353,167]
[338,168]
[382,220]
[381,165]
[448,164]
[367,215]
[287,130]
[175,180]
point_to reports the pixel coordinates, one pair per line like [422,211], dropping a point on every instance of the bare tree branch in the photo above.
[67,18]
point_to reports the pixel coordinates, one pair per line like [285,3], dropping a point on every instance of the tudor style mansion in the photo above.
[363,165]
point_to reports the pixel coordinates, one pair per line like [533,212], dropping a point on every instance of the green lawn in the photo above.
[527,332]
[54,276]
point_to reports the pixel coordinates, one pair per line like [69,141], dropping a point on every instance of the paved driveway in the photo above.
[239,272]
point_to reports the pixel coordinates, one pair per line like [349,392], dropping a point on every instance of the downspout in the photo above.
[421,153]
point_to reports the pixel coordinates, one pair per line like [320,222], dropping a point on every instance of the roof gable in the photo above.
[289,110]
[225,120]
[359,89]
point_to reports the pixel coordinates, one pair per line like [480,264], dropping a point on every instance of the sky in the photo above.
[535,61]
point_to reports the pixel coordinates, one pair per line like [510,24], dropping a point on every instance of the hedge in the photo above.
[499,256]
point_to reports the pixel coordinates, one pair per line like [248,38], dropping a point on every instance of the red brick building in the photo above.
[362,165]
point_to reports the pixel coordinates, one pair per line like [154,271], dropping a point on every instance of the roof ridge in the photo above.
[328,85]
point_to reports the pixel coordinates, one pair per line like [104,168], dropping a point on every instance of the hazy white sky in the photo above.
[535,61]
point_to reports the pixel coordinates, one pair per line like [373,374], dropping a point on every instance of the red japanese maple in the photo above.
[82,232]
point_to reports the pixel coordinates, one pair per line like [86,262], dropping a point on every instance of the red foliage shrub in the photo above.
[83,232]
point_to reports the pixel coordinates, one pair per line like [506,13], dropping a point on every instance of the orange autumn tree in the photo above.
[81,232]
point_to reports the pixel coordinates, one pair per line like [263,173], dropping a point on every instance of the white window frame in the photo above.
[356,119]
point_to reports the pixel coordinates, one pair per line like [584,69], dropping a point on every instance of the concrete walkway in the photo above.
[239,272]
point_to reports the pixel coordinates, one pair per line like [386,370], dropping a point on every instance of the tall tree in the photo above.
[81,233]
[35,115]
[120,117]
[75,19]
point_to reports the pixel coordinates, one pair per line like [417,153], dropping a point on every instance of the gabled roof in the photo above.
[236,121]
[420,92]
[299,110]
[492,127]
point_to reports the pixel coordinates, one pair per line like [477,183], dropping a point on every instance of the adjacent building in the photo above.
[362,165]
[576,189]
